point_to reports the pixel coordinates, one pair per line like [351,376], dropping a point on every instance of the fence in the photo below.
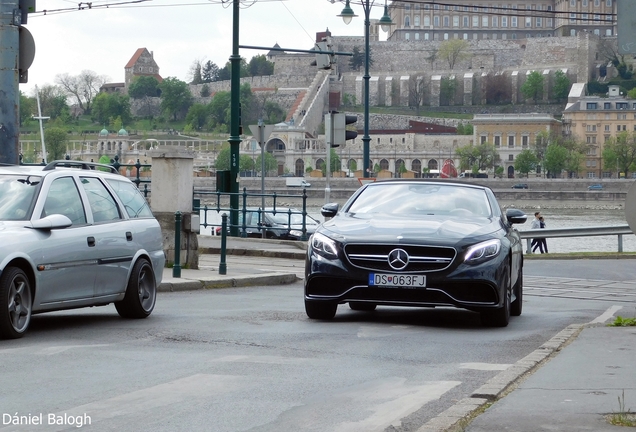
[618,230]
[247,225]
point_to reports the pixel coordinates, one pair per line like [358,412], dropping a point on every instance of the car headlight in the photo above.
[296,233]
[323,245]
[482,251]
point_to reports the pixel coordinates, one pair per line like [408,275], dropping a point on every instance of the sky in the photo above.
[178,32]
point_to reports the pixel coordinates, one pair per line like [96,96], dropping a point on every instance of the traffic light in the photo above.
[340,133]
[323,61]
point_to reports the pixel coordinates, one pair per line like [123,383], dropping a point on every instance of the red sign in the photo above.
[448,170]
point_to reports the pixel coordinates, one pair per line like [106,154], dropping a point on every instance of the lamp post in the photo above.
[385,23]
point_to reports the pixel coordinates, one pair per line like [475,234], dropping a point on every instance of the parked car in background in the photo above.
[297,182]
[422,243]
[74,236]
[596,186]
[282,223]
[520,186]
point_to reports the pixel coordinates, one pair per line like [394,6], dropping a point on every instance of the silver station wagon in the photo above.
[74,234]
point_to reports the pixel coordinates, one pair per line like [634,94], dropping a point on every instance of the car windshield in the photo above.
[17,193]
[421,199]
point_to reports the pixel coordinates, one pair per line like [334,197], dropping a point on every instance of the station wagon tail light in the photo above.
[324,246]
[483,251]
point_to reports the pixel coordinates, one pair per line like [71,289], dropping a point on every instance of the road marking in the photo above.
[143,401]
[485,366]
[609,313]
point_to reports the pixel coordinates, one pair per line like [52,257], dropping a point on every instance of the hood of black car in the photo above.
[389,228]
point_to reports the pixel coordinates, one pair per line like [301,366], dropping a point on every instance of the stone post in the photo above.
[468,88]
[514,84]
[171,191]
[546,85]
[404,90]
[374,91]
[436,90]
[388,91]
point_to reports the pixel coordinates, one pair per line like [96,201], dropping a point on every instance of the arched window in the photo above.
[299,168]
[416,20]
[384,164]
[416,166]
[407,22]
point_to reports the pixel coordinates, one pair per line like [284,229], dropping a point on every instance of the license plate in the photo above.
[393,280]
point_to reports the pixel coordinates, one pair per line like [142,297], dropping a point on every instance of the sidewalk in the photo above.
[249,262]
[570,383]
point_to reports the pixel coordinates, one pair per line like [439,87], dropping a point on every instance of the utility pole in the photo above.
[10,20]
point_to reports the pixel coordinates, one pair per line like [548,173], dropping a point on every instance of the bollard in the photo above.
[222,264]
[176,268]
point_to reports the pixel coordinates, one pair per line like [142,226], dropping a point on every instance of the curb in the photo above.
[300,255]
[457,417]
[182,284]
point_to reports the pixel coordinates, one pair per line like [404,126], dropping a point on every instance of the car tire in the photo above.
[16,303]
[499,317]
[141,292]
[361,306]
[320,310]
[517,305]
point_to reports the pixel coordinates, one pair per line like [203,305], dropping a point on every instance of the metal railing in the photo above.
[619,231]
[222,205]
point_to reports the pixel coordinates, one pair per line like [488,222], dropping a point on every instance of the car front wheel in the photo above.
[15,303]
[320,310]
[517,305]
[141,292]
[499,317]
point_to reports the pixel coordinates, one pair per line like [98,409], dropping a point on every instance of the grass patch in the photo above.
[623,322]
[622,417]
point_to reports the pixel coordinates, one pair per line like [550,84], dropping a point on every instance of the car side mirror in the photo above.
[516,216]
[329,210]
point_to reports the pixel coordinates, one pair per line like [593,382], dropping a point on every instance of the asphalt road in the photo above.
[248,359]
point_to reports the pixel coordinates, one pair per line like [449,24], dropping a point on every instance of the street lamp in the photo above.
[385,23]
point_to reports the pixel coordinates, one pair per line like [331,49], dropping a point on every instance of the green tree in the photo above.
[176,98]
[83,88]
[555,159]
[259,66]
[448,87]
[197,116]
[271,164]
[525,162]
[632,93]
[246,163]
[144,86]
[205,91]
[223,158]
[335,162]
[477,157]
[28,107]
[53,103]
[219,111]
[453,51]
[561,85]
[619,153]
[56,140]
[357,59]
[225,73]
[533,87]
[109,106]
[210,72]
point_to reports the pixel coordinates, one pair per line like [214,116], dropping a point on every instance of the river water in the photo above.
[554,218]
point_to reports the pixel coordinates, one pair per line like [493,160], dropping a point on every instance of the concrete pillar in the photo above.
[374,91]
[514,81]
[388,91]
[171,191]
[404,90]
[468,88]
[436,90]
[359,90]
[9,94]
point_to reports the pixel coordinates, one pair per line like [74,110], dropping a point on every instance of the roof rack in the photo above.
[78,164]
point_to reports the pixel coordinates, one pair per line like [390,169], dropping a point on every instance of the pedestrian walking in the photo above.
[539,242]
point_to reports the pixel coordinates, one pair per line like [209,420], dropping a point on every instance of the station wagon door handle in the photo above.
[90,241]
[128,236]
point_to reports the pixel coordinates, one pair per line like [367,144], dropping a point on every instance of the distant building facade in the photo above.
[501,19]
[142,63]
[594,120]
[512,133]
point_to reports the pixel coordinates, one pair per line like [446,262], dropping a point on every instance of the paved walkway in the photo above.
[575,381]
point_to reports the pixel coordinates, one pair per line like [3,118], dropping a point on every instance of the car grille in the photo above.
[420,258]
